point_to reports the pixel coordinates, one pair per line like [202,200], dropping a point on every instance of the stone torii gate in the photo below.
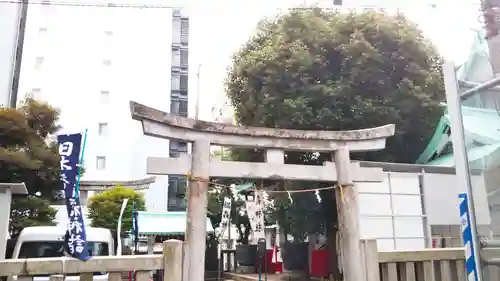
[199,164]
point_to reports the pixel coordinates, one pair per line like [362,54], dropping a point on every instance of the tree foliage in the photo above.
[30,211]
[27,155]
[216,199]
[298,213]
[238,216]
[104,208]
[323,70]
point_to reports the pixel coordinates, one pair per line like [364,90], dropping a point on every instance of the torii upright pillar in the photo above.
[348,217]
[275,141]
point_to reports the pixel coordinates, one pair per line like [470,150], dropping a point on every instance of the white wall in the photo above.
[391,212]
[441,199]
[73,46]
[9,22]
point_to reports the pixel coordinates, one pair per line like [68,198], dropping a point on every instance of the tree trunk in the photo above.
[329,207]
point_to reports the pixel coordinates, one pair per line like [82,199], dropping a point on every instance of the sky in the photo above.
[219,27]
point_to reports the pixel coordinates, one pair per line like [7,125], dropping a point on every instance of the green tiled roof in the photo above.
[479,153]
[169,223]
[482,130]
[244,186]
[481,126]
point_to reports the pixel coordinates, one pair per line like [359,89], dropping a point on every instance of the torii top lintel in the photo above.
[164,125]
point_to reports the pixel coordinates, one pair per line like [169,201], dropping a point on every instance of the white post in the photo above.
[369,254]
[5,198]
[312,239]
[196,232]
[172,260]
[348,216]
[460,154]
[119,228]
[6,191]
[151,244]
[197,108]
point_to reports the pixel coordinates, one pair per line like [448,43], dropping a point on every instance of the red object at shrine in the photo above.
[268,264]
[319,263]
[278,265]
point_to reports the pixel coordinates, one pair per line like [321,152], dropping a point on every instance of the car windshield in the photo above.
[53,249]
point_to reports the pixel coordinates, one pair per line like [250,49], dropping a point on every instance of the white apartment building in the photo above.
[91,61]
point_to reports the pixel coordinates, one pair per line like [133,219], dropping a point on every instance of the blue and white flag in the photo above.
[135,227]
[69,152]
[470,259]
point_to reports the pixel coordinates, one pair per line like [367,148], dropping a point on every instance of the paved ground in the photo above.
[270,277]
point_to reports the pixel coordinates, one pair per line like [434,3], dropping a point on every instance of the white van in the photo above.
[48,242]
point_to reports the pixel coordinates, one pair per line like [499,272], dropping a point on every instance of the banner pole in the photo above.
[79,174]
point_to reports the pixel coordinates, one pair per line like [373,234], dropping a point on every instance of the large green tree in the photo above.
[323,70]
[104,208]
[28,155]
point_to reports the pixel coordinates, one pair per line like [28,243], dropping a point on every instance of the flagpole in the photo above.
[79,174]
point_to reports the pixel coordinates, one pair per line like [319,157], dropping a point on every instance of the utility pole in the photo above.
[461,160]
[197,109]
[13,21]
[19,54]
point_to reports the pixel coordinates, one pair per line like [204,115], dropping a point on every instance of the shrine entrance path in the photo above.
[287,276]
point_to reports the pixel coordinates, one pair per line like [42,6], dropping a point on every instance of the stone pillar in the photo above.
[348,216]
[151,244]
[197,211]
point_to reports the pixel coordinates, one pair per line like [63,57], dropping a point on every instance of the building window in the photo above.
[183,83]
[100,163]
[106,62]
[184,31]
[174,106]
[184,58]
[176,31]
[176,193]
[42,31]
[36,92]
[183,147]
[369,8]
[103,129]
[104,96]
[179,106]
[176,83]
[177,148]
[176,58]
[183,108]
[39,62]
